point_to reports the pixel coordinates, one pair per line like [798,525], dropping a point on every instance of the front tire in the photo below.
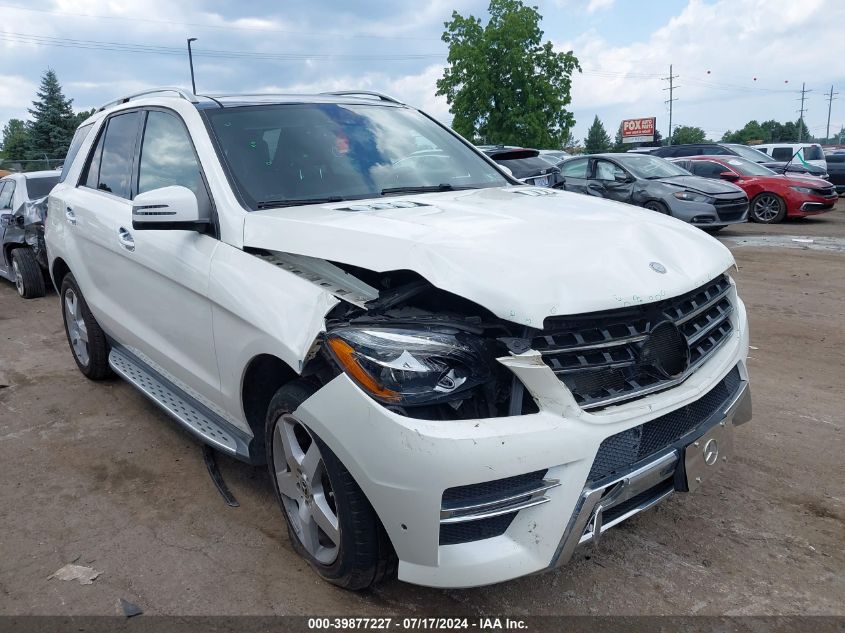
[330,522]
[767,208]
[29,280]
[87,340]
[656,205]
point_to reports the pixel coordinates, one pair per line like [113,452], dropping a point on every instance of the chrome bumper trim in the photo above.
[587,520]
[497,507]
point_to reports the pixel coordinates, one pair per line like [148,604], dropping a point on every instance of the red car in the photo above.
[772,196]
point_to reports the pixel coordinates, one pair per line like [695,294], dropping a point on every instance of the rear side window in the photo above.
[574,168]
[78,137]
[813,152]
[6,194]
[40,187]
[167,156]
[782,153]
[110,166]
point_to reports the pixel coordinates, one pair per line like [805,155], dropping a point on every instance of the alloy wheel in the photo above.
[18,278]
[76,329]
[306,490]
[766,208]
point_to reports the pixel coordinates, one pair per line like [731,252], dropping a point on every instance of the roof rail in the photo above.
[367,93]
[184,94]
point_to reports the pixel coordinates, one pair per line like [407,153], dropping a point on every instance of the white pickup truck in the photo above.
[446,371]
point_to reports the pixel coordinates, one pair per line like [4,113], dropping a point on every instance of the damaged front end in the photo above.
[419,351]
[25,225]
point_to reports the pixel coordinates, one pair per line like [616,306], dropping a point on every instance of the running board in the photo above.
[197,419]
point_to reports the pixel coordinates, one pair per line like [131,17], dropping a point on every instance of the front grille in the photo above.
[624,450]
[731,209]
[454,533]
[825,191]
[607,357]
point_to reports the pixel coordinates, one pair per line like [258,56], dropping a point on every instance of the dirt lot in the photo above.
[95,474]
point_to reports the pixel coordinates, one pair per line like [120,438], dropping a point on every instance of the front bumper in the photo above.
[404,465]
[705,214]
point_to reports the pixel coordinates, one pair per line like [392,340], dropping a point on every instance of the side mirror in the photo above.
[7,219]
[621,178]
[729,175]
[167,208]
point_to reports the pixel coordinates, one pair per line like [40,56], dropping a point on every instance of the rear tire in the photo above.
[314,489]
[656,205]
[767,208]
[87,340]
[29,279]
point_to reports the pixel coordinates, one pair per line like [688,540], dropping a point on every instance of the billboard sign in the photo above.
[638,130]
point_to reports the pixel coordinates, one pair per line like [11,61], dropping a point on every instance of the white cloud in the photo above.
[599,5]
[16,93]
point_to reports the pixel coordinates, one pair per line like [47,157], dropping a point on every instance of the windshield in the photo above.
[277,155]
[748,168]
[524,167]
[650,167]
[751,154]
[40,187]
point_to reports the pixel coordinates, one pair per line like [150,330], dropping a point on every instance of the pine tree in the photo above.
[15,140]
[53,121]
[597,140]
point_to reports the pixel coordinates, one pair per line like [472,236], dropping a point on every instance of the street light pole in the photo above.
[191,62]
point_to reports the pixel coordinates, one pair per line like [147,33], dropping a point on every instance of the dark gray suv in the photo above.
[657,184]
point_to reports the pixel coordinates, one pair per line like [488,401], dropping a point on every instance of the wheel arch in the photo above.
[58,272]
[263,376]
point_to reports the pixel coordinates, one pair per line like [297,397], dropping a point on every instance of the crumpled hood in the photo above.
[523,257]
[707,186]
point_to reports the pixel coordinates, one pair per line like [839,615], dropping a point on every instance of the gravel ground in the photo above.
[94,474]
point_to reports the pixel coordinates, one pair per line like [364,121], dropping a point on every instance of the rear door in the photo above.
[92,214]
[7,189]
[574,172]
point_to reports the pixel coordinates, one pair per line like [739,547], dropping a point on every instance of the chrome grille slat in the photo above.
[601,356]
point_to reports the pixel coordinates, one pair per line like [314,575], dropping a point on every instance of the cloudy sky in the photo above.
[735,59]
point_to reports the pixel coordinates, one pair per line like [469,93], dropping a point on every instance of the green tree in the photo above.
[504,85]
[15,140]
[688,134]
[53,121]
[597,139]
[618,145]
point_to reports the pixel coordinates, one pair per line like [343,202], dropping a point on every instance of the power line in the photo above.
[333,34]
[61,42]
[671,79]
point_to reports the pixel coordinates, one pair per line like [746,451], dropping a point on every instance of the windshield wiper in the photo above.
[294,202]
[443,186]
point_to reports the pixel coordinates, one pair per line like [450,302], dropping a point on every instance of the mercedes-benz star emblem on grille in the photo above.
[657,267]
[666,350]
[711,452]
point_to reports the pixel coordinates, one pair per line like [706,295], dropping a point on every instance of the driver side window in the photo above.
[605,170]
[6,195]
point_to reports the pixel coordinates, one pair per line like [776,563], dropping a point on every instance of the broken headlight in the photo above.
[406,366]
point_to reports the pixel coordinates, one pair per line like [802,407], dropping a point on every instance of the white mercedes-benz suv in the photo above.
[446,371]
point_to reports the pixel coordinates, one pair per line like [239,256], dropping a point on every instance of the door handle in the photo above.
[70,215]
[126,240]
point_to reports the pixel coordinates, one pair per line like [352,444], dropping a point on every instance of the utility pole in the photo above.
[830,99]
[191,62]
[804,92]
[671,79]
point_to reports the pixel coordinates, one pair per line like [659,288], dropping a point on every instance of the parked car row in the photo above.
[450,375]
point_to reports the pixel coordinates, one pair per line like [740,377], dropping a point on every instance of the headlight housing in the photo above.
[410,366]
[802,189]
[692,196]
